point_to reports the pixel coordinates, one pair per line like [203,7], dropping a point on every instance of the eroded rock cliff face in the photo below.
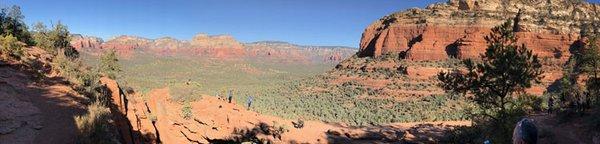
[79,41]
[457,28]
[401,53]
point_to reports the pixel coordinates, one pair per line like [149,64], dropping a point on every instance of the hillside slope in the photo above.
[34,109]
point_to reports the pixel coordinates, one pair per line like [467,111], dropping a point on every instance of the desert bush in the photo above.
[11,47]
[93,127]
[298,124]
[530,103]
[186,110]
[70,69]
[109,64]
[152,117]
[41,38]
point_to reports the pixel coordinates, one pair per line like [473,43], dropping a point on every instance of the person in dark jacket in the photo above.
[230,96]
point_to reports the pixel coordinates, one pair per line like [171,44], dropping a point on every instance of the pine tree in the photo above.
[109,64]
[60,38]
[41,38]
[11,23]
[505,70]
[590,62]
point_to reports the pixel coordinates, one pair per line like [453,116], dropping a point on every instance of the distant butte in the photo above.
[214,46]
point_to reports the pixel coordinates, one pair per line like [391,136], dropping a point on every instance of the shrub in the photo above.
[66,68]
[186,110]
[55,40]
[10,46]
[109,64]
[93,127]
[298,124]
[152,117]
[530,103]
[42,40]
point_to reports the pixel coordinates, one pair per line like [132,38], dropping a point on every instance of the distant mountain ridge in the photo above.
[216,46]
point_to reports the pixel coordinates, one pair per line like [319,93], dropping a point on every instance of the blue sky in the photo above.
[309,22]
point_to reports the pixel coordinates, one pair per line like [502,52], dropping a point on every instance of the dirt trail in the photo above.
[36,112]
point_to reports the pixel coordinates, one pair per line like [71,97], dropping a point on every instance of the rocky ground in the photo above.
[35,110]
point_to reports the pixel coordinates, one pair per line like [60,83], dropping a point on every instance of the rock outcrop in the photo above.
[405,50]
[119,109]
[79,41]
[457,28]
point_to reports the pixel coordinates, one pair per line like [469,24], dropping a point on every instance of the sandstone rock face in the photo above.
[218,46]
[217,41]
[466,4]
[457,28]
[401,53]
[80,41]
[119,109]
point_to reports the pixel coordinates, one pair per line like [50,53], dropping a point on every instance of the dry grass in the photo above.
[93,127]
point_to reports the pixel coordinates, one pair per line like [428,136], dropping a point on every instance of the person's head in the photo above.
[525,132]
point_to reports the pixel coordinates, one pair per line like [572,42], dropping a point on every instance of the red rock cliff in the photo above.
[457,28]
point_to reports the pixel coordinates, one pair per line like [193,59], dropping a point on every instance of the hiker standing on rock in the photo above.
[230,96]
[250,99]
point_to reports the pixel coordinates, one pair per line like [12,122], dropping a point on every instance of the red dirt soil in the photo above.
[36,111]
